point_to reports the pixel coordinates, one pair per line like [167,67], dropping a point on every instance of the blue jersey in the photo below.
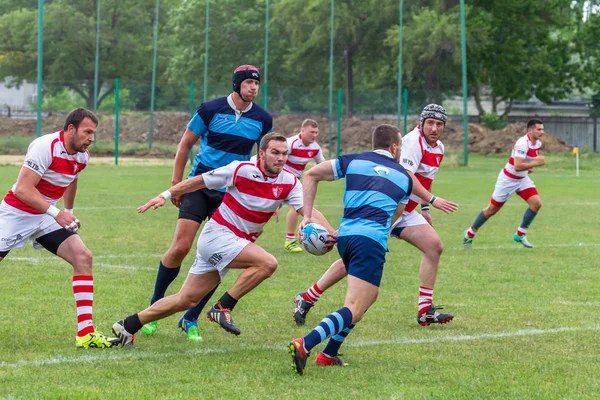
[225,136]
[375,185]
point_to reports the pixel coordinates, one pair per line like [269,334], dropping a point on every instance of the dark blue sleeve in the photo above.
[343,162]
[206,113]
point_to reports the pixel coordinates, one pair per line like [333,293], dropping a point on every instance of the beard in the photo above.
[272,171]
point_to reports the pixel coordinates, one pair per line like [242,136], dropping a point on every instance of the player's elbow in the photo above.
[21,191]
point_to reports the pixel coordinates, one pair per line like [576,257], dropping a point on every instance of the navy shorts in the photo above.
[199,205]
[363,257]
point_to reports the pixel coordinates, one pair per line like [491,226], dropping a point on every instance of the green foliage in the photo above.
[493,121]
[64,100]
[70,45]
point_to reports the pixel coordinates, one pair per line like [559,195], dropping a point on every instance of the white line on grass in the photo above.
[537,246]
[340,205]
[580,303]
[116,355]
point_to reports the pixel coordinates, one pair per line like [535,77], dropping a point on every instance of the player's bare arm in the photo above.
[27,192]
[187,142]
[398,213]
[437,202]
[426,214]
[69,196]
[187,186]
[320,172]
[522,165]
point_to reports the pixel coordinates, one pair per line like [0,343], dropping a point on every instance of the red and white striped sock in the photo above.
[290,236]
[471,232]
[83,289]
[521,232]
[425,299]
[313,294]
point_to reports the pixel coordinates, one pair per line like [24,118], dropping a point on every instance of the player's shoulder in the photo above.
[441,146]
[259,113]
[218,105]
[45,141]
[523,140]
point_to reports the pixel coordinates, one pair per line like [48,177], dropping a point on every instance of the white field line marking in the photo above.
[537,246]
[340,205]
[116,355]
[579,303]
[50,258]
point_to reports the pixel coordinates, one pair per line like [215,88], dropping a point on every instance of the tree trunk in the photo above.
[507,108]
[480,109]
[349,80]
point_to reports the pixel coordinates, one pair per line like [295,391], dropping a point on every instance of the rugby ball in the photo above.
[313,239]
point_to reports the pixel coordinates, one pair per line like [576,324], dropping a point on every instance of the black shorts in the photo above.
[50,241]
[199,205]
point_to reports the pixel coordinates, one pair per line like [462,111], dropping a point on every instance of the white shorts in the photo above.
[17,227]
[217,247]
[412,218]
[506,186]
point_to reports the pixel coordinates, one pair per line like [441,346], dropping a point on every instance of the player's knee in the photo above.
[438,248]
[180,250]
[270,265]
[82,262]
[84,257]
[536,206]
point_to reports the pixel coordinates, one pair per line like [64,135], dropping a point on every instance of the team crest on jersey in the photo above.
[277,190]
[75,168]
[311,153]
[438,160]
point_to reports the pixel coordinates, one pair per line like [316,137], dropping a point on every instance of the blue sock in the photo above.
[479,220]
[331,325]
[164,277]
[193,313]
[333,346]
[528,218]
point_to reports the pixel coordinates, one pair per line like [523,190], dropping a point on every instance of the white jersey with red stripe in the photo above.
[523,148]
[423,160]
[299,155]
[252,197]
[48,157]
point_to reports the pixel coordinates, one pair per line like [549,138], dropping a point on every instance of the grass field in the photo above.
[525,324]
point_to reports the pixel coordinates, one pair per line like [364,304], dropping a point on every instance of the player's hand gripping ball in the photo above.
[314,237]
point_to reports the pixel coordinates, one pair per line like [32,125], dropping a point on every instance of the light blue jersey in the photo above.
[225,136]
[375,185]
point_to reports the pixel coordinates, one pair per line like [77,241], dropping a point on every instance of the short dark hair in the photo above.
[77,115]
[264,142]
[533,122]
[384,136]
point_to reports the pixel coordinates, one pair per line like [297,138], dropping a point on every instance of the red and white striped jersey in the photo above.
[252,197]
[48,157]
[423,160]
[523,148]
[299,155]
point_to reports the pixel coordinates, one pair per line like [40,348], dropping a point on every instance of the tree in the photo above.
[525,52]
[70,45]
[360,27]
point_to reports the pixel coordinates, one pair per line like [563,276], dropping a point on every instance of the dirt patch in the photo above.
[356,133]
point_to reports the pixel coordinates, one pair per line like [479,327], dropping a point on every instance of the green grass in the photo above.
[525,327]
[18,145]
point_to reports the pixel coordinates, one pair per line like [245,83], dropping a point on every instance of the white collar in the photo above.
[383,153]
[232,105]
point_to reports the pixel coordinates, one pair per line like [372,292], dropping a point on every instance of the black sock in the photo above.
[164,277]
[227,301]
[132,324]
